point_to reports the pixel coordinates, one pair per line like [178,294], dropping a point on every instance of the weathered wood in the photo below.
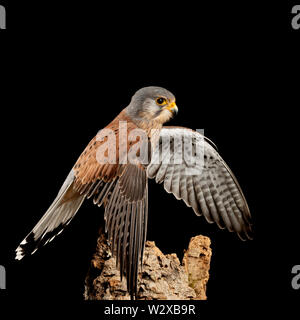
[162,277]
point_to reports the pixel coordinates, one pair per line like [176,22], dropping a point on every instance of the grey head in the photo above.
[152,103]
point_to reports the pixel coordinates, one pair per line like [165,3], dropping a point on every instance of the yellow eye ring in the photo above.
[161,101]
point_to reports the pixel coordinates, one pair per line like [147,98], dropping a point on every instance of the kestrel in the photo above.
[105,173]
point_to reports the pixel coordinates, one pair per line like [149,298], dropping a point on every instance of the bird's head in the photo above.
[152,103]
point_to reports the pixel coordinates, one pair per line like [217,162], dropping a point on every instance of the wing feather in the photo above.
[192,200]
[208,186]
[168,178]
[175,182]
[201,200]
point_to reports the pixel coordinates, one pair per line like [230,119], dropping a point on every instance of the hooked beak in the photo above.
[172,107]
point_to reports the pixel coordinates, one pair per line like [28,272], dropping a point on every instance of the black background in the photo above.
[68,70]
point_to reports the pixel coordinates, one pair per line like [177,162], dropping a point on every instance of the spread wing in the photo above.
[191,169]
[123,190]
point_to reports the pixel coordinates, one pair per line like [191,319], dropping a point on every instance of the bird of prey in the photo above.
[121,186]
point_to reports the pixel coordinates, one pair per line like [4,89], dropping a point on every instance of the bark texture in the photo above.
[162,277]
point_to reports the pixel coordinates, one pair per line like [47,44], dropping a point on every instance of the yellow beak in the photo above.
[172,107]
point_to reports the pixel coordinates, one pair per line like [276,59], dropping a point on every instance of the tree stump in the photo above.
[162,277]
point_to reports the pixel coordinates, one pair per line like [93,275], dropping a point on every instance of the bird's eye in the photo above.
[160,101]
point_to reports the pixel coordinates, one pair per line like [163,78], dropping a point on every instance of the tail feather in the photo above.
[59,215]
